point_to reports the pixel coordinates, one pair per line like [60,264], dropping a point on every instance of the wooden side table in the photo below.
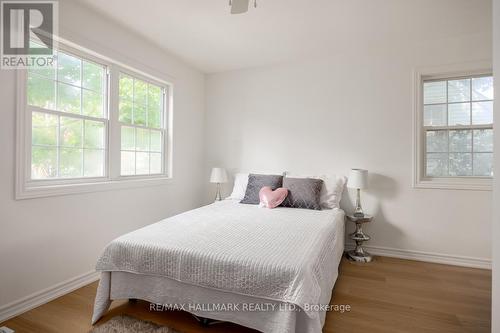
[359,254]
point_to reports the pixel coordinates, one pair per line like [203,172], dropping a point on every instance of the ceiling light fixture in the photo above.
[240,6]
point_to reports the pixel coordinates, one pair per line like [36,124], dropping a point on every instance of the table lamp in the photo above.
[358,179]
[218,176]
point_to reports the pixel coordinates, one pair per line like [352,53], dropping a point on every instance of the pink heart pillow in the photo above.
[272,199]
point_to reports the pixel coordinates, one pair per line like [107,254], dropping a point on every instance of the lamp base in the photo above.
[359,256]
[358,211]
[218,195]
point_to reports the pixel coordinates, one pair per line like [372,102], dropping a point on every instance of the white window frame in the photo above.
[164,128]
[420,180]
[26,188]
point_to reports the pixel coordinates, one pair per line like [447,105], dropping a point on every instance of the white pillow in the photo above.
[331,192]
[240,186]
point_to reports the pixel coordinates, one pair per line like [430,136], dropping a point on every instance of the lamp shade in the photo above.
[358,178]
[218,175]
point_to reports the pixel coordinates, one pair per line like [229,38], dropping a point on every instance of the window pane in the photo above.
[69,69]
[482,113]
[460,141]
[139,114]
[437,165]
[126,87]
[71,132]
[483,140]
[154,95]
[459,90]
[154,106]
[140,92]
[154,117]
[482,88]
[155,163]
[68,98]
[437,141]
[142,163]
[94,134]
[43,162]
[45,71]
[460,164]
[41,92]
[92,104]
[459,114]
[94,162]
[128,138]
[93,76]
[435,92]
[44,129]
[125,111]
[127,163]
[156,141]
[142,139]
[435,115]
[483,164]
[70,162]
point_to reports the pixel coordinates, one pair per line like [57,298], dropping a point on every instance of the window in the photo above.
[458,125]
[88,124]
[456,131]
[141,131]
[68,119]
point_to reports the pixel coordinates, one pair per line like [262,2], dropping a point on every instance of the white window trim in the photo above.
[450,183]
[27,189]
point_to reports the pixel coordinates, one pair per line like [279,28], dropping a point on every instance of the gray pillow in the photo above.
[302,193]
[256,182]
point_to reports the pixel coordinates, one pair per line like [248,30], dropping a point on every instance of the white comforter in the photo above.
[281,254]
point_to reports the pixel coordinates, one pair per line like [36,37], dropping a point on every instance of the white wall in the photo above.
[353,108]
[496,189]
[50,240]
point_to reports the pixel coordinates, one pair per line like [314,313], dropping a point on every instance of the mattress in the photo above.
[285,254]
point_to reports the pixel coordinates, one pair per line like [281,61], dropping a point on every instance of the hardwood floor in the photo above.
[387,295]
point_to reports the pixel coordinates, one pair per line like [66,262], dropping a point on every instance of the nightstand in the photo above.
[359,254]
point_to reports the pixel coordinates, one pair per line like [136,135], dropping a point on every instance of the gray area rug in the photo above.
[127,324]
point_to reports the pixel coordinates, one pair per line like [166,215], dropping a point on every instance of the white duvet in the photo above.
[282,254]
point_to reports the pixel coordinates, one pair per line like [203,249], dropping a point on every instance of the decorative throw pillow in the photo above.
[303,193]
[272,199]
[256,182]
[331,192]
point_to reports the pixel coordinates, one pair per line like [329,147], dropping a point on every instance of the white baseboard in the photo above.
[438,258]
[36,299]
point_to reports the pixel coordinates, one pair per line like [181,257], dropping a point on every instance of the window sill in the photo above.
[472,184]
[31,191]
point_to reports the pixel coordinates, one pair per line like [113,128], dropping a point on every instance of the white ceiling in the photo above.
[204,34]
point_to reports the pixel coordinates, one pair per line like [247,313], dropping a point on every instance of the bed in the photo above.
[257,267]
